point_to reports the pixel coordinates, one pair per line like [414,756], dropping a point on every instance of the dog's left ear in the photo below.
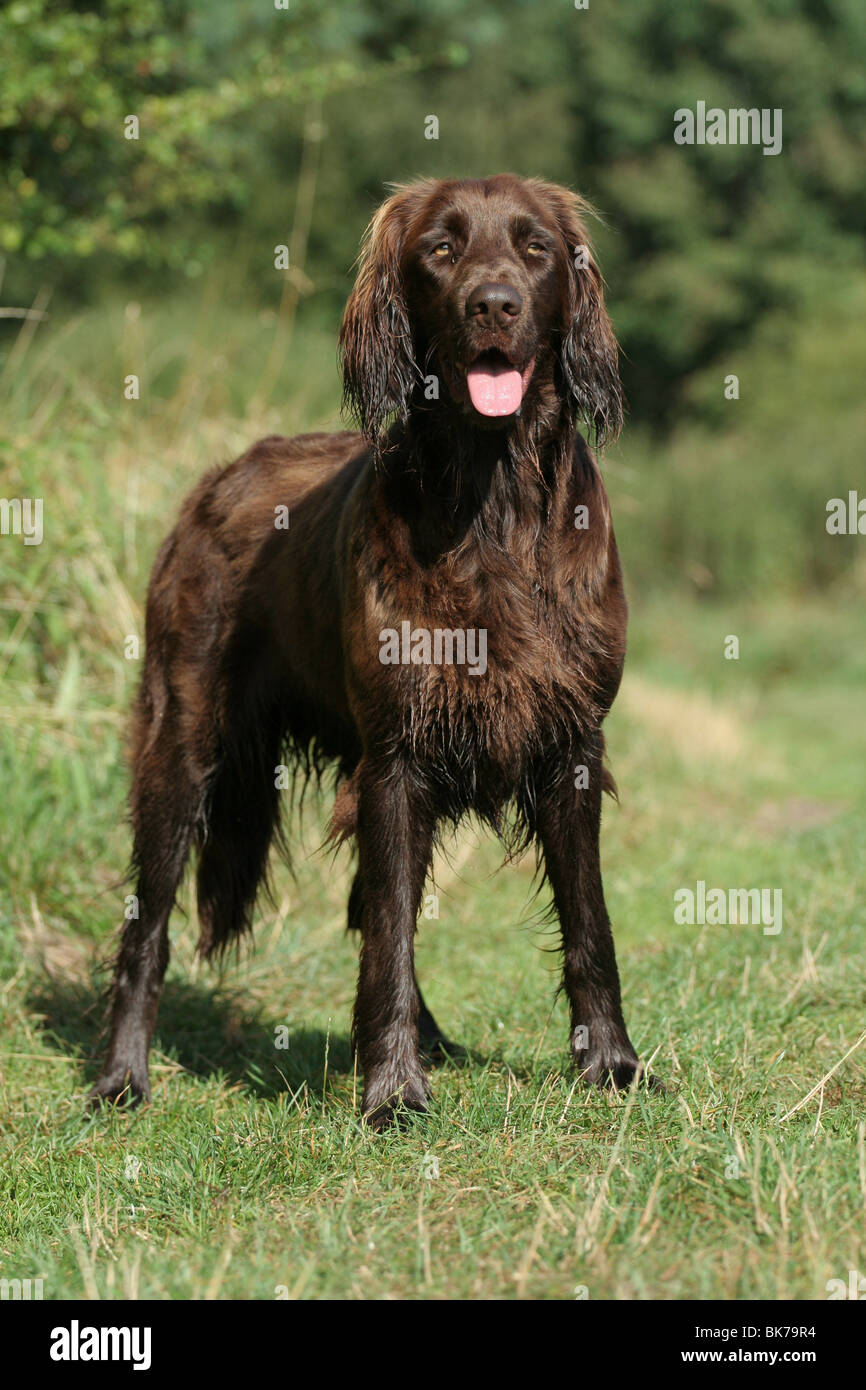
[590,355]
[379,368]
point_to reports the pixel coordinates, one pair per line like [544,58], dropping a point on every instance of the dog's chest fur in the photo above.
[522,604]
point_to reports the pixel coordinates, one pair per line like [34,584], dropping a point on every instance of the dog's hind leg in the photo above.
[166,800]
[431,1040]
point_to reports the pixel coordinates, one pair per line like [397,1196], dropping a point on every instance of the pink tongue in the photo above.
[495,390]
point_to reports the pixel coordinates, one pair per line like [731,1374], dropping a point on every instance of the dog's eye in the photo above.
[443,249]
[535,248]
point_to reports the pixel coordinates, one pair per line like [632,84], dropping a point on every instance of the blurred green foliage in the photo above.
[700,242]
[79,183]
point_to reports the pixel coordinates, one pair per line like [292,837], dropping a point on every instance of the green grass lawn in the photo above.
[249,1175]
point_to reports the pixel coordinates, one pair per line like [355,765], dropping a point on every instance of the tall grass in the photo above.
[250,1171]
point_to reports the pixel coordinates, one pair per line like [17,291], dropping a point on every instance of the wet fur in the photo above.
[262,644]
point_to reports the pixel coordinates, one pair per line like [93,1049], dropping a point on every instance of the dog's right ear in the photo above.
[379,368]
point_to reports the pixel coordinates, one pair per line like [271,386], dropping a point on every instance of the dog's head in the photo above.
[491,287]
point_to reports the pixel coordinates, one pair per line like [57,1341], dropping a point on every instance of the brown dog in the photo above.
[443,620]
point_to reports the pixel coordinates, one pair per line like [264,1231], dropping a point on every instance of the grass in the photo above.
[249,1176]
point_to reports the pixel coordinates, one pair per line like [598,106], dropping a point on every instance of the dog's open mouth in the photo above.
[496,386]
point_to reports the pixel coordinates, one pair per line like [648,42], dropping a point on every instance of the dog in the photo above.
[474,346]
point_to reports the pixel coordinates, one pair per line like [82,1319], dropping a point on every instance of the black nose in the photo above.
[493,306]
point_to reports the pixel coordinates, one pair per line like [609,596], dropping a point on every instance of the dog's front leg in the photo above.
[395,836]
[568,822]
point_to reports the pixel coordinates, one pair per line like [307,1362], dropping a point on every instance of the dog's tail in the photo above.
[240,819]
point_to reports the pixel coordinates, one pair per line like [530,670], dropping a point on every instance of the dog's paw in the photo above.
[614,1066]
[385,1104]
[119,1088]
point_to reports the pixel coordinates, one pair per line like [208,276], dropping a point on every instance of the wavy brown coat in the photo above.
[264,643]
